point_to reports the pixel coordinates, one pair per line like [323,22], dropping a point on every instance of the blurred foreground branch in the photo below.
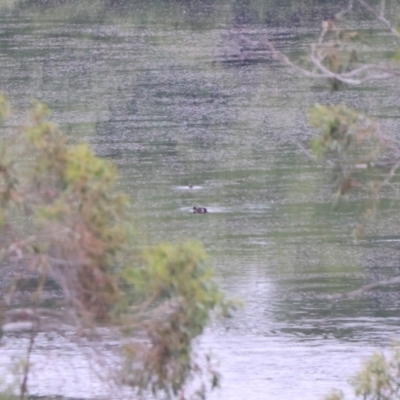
[70,260]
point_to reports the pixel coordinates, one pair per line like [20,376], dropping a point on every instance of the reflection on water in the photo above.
[192,97]
[267,368]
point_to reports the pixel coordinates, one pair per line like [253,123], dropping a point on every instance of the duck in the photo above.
[199,210]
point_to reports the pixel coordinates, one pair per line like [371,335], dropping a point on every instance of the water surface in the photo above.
[180,96]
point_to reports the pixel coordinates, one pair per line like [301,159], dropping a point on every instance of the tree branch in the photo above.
[380,16]
[365,288]
[354,77]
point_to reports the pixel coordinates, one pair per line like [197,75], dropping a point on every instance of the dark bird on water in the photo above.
[199,210]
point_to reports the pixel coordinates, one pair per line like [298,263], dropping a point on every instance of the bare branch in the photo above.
[354,77]
[379,15]
[33,313]
[340,15]
[312,157]
[278,55]
[390,174]
[27,365]
[378,164]
[365,288]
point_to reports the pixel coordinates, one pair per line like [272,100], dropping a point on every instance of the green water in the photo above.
[180,93]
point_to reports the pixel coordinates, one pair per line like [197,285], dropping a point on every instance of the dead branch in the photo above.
[365,288]
[19,314]
[318,52]
[354,77]
[390,175]
[27,365]
[380,16]
[379,164]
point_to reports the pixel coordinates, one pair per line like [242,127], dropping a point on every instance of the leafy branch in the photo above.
[77,238]
[334,57]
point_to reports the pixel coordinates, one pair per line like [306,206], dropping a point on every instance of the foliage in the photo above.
[351,143]
[335,54]
[179,283]
[357,150]
[344,131]
[76,233]
[364,160]
[378,380]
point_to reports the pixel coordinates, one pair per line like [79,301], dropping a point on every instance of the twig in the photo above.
[377,164]
[285,60]
[361,290]
[390,175]
[306,152]
[354,77]
[380,17]
[312,157]
[33,313]
[340,15]
[26,369]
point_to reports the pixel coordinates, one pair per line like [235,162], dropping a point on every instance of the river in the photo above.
[182,93]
